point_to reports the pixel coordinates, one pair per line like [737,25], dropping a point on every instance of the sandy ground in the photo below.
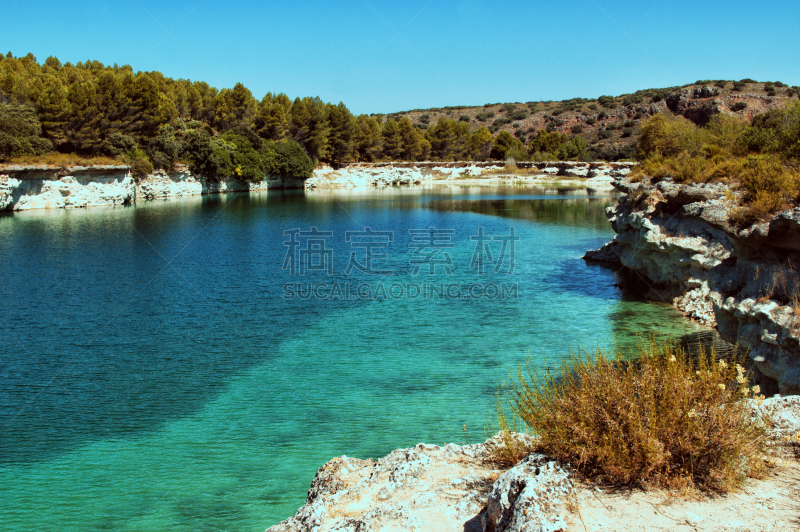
[771,504]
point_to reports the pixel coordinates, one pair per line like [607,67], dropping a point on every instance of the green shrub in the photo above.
[663,419]
[576,129]
[141,168]
[592,106]
[607,102]
[669,136]
[287,159]
[117,144]
[464,118]
[631,99]
[738,106]
[20,132]
[591,121]
[776,131]
[627,132]
[573,150]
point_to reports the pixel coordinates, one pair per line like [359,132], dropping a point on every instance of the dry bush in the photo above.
[662,420]
[506,170]
[767,186]
[726,171]
[683,168]
[507,443]
[688,169]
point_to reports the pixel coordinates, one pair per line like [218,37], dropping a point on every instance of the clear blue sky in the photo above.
[385,56]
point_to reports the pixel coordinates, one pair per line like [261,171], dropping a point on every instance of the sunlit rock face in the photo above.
[680,241]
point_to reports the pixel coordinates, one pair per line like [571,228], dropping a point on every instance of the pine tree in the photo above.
[392,140]
[413,141]
[53,110]
[342,124]
[272,117]
[367,139]
[480,144]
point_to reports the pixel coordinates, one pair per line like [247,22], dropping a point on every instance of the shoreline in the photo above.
[431,488]
[25,188]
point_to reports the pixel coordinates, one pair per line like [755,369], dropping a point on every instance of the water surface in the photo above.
[154,375]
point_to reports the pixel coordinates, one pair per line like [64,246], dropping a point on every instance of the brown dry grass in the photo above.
[64,160]
[510,443]
[515,170]
[664,420]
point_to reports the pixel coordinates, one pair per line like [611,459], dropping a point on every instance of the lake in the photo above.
[189,364]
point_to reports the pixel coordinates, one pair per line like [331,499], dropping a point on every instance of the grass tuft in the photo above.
[510,443]
[664,420]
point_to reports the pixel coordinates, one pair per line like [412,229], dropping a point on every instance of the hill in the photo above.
[611,124]
[149,120]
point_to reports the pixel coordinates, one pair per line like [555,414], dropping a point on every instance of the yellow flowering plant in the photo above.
[658,417]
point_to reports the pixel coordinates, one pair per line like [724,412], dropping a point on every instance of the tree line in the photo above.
[155,121]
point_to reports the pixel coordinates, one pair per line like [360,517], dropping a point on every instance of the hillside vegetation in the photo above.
[760,159]
[54,112]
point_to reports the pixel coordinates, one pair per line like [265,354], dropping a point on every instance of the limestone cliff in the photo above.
[679,241]
[368,175]
[45,187]
[48,187]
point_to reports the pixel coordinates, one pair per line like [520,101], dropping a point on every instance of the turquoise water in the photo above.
[156,374]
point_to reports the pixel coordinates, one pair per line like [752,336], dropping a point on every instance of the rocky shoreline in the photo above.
[43,187]
[428,488]
[369,175]
[679,243]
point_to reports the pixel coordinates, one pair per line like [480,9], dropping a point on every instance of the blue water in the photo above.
[158,373]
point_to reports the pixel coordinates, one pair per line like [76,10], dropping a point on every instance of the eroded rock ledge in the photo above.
[428,488]
[679,240]
[456,488]
[367,175]
[49,187]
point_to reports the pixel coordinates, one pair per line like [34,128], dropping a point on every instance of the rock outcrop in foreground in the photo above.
[679,240]
[456,488]
[428,488]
